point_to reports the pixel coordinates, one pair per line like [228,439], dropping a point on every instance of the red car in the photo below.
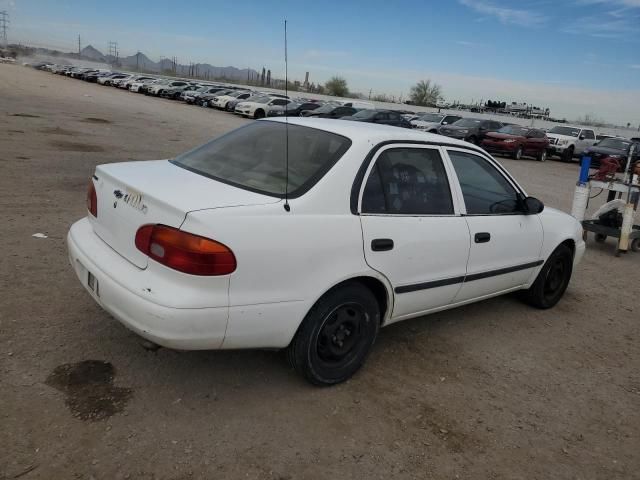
[517,141]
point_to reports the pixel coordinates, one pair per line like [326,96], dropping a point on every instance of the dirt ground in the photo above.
[495,390]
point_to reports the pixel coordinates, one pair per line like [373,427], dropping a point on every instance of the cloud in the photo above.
[635,66]
[601,27]
[466,43]
[617,3]
[506,15]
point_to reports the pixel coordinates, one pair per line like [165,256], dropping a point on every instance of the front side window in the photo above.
[485,190]
[588,134]
[253,157]
[408,181]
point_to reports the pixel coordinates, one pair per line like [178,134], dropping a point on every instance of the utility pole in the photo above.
[79,44]
[4,25]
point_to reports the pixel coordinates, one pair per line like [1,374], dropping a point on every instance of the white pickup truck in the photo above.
[568,142]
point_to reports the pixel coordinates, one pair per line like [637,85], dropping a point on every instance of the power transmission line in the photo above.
[113,51]
[4,26]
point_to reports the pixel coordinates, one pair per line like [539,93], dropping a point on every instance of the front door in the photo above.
[505,242]
[412,230]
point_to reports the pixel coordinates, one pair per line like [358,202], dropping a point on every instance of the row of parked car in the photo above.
[565,142]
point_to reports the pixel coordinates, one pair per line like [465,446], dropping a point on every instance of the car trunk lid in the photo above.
[133,194]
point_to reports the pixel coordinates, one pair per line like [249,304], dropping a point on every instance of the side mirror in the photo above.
[581,137]
[445,123]
[533,206]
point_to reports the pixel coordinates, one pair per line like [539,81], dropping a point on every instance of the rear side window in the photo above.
[485,190]
[588,134]
[253,157]
[408,181]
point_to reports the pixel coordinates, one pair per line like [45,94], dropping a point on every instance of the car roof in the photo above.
[363,131]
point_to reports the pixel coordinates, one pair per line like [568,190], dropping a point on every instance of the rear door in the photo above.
[506,244]
[412,230]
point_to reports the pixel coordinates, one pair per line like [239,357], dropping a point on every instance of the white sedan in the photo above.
[259,107]
[379,224]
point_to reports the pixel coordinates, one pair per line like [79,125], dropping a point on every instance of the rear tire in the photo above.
[258,114]
[552,281]
[635,245]
[336,335]
[542,156]
[517,155]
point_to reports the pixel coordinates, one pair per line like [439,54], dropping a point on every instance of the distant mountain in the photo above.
[140,61]
[92,53]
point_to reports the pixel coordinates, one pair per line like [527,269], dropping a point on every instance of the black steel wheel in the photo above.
[552,281]
[336,336]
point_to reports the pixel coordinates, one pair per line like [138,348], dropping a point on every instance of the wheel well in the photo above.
[377,288]
[571,245]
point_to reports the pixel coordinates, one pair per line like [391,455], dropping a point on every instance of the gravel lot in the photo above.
[495,390]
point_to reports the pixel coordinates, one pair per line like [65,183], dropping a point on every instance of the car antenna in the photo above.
[286,123]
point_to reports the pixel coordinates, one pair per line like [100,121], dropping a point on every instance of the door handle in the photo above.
[381,244]
[482,237]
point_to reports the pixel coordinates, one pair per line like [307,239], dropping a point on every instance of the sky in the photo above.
[577,57]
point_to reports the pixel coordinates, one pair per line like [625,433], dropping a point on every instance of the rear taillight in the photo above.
[185,251]
[92,199]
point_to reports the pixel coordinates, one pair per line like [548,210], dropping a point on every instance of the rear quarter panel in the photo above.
[286,262]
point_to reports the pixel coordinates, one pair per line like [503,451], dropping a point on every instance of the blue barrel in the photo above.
[584,170]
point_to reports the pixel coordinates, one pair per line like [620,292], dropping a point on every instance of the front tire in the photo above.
[336,336]
[552,281]
[567,155]
[258,114]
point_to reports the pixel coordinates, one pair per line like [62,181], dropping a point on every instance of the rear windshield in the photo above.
[431,117]
[514,130]
[253,157]
[467,122]
[615,143]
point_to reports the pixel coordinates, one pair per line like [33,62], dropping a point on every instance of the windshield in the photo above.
[514,130]
[431,118]
[363,114]
[253,157]
[467,122]
[568,131]
[615,143]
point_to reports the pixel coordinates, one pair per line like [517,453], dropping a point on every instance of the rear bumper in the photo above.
[179,328]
